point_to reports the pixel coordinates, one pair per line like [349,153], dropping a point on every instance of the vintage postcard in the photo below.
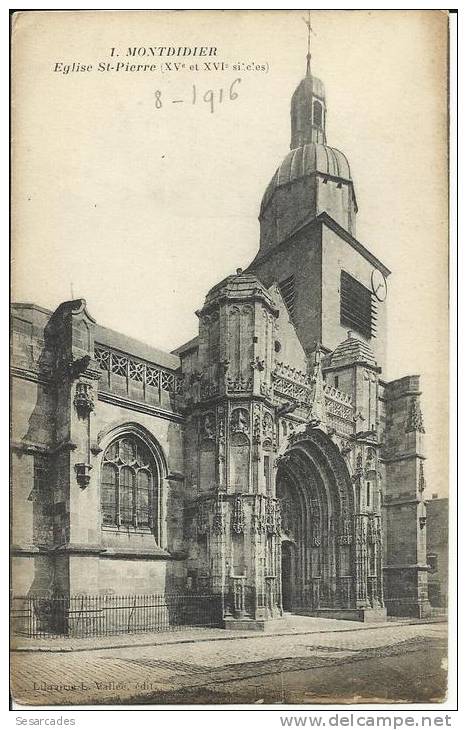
[229,357]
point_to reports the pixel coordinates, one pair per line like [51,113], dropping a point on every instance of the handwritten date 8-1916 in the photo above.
[210,97]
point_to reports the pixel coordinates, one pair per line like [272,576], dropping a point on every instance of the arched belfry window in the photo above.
[129,484]
[317,114]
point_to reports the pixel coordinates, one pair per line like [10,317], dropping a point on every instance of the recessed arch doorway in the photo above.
[320,567]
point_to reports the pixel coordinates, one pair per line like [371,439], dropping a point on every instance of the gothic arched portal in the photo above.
[324,536]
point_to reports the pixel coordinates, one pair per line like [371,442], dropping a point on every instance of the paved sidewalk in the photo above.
[393,660]
[289,625]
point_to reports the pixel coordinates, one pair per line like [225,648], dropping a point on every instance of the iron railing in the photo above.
[104,615]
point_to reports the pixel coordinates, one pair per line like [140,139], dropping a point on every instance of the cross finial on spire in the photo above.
[307,22]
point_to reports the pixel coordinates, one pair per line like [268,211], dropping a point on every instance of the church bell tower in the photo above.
[293,446]
[330,282]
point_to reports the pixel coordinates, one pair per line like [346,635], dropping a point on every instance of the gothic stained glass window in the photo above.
[143,498]
[128,484]
[109,494]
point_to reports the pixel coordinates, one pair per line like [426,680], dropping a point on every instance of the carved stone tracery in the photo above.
[238,517]
[202,522]
[221,439]
[218,522]
[136,370]
[271,512]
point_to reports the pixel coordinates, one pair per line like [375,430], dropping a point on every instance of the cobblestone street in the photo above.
[393,662]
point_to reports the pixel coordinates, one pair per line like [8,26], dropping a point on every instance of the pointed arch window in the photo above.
[129,485]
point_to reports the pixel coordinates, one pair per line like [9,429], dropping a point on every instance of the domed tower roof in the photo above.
[238,286]
[313,177]
[351,351]
[312,158]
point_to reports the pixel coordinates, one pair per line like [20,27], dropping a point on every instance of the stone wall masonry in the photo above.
[289,205]
[124,577]
[404,506]
[301,258]
[337,256]
[58,424]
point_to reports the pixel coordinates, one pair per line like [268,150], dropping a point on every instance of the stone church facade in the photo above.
[268,461]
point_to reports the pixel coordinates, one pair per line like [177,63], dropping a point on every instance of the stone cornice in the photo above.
[77,549]
[319,220]
[360,363]
[388,398]
[118,553]
[26,550]
[63,446]
[401,500]
[32,375]
[401,457]
[121,402]
[29,447]
[406,566]
[99,551]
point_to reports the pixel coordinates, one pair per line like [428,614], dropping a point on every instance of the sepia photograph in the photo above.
[229,357]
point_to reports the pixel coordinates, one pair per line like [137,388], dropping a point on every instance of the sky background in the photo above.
[141,210]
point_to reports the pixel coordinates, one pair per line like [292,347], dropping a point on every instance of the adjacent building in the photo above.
[437,550]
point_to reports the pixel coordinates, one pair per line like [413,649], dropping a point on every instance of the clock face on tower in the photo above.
[379,285]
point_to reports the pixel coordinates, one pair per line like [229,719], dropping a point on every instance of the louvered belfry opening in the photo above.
[287,289]
[357,308]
